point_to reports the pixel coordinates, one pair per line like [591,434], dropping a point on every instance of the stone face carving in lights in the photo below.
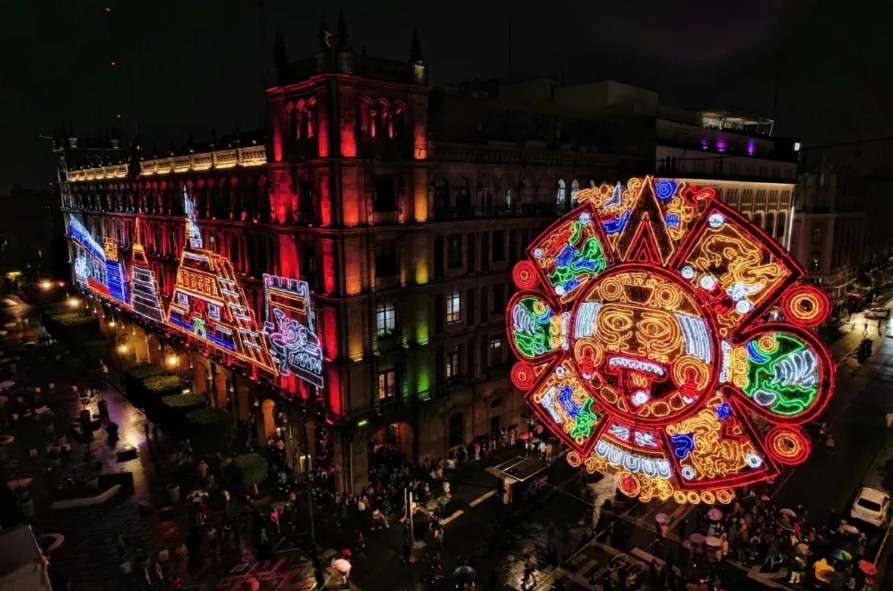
[290,328]
[642,342]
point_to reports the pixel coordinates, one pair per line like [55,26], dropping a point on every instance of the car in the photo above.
[878,312]
[871,506]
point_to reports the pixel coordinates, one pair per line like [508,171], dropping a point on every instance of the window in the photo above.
[308,262]
[383,194]
[559,199]
[770,222]
[454,251]
[508,198]
[758,219]
[814,263]
[454,307]
[780,224]
[499,245]
[495,351]
[452,362]
[575,188]
[387,384]
[305,197]
[386,260]
[497,299]
[732,197]
[817,235]
[385,319]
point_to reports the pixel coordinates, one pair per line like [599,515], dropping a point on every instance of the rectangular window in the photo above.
[386,260]
[451,366]
[495,353]
[497,299]
[454,251]
[387,384]
[454,307]
[499,245]
[385,319]
[817,235]
[814,263]
[383,194]
[305,197]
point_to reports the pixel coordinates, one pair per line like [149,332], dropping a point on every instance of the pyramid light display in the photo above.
[642,342]
[208,302]
[143,286]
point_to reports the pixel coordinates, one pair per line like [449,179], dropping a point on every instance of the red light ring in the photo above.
[806,306]
[788,445]
[525,275]
[523,376]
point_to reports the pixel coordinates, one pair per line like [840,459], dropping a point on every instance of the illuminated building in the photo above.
[366,250]
[641,341]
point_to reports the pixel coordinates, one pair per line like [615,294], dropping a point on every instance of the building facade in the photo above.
[406,239]
[830,230]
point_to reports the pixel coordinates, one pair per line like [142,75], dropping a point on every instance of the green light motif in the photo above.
[572,264]
[585,421]
[783,374]
[533,326]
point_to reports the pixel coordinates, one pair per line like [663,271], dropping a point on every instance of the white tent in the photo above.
[23,566]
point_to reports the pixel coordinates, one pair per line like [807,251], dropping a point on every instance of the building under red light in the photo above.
[404,209]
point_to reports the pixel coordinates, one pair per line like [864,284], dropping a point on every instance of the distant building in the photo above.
[732,152]
[830,228]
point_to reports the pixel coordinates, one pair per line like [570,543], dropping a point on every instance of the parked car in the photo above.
[878,312]
[871,506]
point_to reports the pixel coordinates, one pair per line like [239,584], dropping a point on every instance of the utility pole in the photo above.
[314,553]
[407,497]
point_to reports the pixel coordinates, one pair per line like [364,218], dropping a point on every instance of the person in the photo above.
[203,470]
[274,517]
[796,566]
[829,443]
[889,418]
[379,517]
[438,536]
[177,583]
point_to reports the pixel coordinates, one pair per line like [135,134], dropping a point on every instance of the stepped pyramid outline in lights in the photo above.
[143,287]
[209,303]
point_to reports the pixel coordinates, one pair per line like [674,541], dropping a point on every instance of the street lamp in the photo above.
[121,349]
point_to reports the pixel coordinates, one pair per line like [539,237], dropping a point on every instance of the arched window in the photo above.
[462,193]
[380,120]
[441,196]
[299,119]
[758,219]
[364,128]
[575,188]
[770,223]
[781,224]
[310,118]
[398,121]
[560,197]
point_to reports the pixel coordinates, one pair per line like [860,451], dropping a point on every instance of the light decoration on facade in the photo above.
[208,302]
[143,286]
[294,345]
[96,266]
[642,342]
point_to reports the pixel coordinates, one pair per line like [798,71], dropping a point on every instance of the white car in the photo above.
[871,506]
[878,312]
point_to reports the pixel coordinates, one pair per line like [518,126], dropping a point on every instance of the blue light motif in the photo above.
[723,411]
[683,443]
[672,220]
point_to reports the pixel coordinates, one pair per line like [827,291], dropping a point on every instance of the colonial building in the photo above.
[830,230]
[404,226]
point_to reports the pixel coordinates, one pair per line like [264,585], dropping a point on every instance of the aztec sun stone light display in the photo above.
[642,333]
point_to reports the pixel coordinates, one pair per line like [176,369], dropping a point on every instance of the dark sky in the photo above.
[200,64]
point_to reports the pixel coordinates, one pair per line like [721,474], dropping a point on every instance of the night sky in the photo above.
[198,65]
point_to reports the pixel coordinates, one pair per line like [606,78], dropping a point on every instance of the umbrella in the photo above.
[713,541]
[850,529]
[662,518]
[697,538]
[341,565]
[842,555]
[252,584]
[714,514]
[346,553]
[788,513]
[525,435]
[465,573]
[867,567]
[785,524]
[6,384]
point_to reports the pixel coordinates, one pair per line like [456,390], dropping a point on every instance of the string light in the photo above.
[646,351]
